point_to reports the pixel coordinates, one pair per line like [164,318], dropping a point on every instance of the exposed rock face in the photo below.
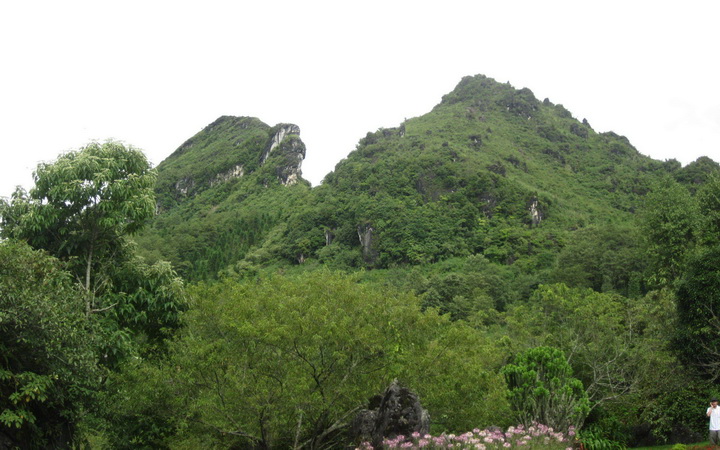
[292,152]
[284,130]
[235,172]
[365,234]
[363,426]
[398,411]
[489,202]
[184,186]
[536,215]
[329,236]
[231,148]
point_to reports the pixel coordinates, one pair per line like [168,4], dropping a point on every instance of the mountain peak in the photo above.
[228,149]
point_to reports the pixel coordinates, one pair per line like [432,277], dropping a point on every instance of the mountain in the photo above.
[221,192]
[227,149]
[491,173]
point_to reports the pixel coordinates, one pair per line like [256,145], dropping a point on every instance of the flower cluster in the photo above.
[533,437]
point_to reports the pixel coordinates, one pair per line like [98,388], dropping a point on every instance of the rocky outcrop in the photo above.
[235,172]
[365,234]
[396,412]
[184,186]
[536,214]
[292,152]
[228,149]
[329,236]
[283,130]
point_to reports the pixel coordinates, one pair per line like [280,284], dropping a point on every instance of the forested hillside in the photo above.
[491,173]
[222,192]
[497,256]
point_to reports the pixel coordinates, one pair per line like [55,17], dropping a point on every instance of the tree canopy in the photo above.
[48,368]
[81,208]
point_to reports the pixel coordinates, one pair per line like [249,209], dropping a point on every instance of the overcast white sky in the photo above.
[153,73]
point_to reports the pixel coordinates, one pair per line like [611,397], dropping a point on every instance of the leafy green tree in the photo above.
[542,389]
[669,223]
[81,207]
[148,301]
[48,366]
[139,408]
[708,198]
[455,371]
[697,173]
[614,344]
[82,210]
[604,258]
[302,355]
[697,337]
[698,304]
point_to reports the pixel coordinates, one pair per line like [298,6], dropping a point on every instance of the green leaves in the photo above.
[669,222]
[698,333]
[82,210]
[83,204]
[300,354]
[29,387]
[48,365]
[542,389]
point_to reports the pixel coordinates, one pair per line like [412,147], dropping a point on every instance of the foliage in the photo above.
[697,173]
[669,223]
[491,171]
[698,331]
[542,389]
[228,142]
[81,207]
[222,194]
[604,258]
[471,210]
[618,347]
[708,198]
[674,413]
[302,354]
[147,303]
[47,362]
[591,440]
[138,407]
[614,345]
[454,354]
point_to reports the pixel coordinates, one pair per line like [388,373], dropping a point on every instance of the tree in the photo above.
[82,210]
[697,338]
[709,202]
[542,389]
[607,258]
[613,344]
[48,366]
[82,207]
[668,222]
[302,354]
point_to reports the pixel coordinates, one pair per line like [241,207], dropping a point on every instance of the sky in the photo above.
[153,73]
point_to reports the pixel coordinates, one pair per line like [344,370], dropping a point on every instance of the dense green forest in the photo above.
[497,256]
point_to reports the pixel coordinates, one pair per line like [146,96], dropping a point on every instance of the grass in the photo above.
[696,446]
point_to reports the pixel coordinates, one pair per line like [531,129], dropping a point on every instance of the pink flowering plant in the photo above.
[534,437]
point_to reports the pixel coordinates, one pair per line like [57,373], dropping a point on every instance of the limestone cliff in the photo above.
[288,150]
[226,150]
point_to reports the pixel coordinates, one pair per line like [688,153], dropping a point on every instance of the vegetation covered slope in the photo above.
[491,174]
[475,175]
[490,171]
[222,191]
